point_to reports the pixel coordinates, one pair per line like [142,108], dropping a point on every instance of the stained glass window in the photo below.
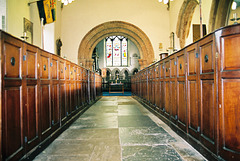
[117,51]
[109,52]
[124,52]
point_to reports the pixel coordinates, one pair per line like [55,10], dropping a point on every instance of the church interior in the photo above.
[119,80]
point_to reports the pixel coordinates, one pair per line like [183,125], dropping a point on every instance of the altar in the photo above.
[113,86]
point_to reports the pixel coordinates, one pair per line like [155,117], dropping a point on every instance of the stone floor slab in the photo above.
[118,129]
[144,136]
[87,134]
[159,153]
[135,121]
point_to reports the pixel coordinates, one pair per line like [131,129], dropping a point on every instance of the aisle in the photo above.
[115,129]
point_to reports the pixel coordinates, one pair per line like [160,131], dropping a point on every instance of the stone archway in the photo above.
[217,18]
[219,13]
[132,32]
[123,70]
[184,20]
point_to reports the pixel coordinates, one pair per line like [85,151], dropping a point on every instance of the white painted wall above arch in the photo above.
[80,17]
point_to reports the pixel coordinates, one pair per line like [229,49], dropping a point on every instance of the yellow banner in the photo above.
[48,12]
[53,8]
[53,4]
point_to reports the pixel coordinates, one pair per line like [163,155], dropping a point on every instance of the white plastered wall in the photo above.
[16,11]
[3,14]
[81,16]
[19,9]
[75,20]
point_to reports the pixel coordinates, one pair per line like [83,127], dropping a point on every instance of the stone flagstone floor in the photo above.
[119,129]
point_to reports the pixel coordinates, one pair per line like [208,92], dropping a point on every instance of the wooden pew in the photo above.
[41,94]
[197,93]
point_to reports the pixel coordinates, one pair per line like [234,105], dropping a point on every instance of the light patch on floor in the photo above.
[118,129]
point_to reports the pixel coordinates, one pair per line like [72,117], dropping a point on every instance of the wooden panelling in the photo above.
[173,64]
[193,90]
[181,90]
[72,68]
[68,98]
[229,87]
[207,58]
[182,107]
[13,146]
[73,88]
[62,68]
[83,96]
[78,87]
[207,96]
[81,86]
[67,70]
[157,93]
[30,97]
[55,68]
[157,87]
[141,84]
[85,86]
[208,114]
[63,101]
[31,58]
[231,59]
[157,71]
[193,108]
[192,62]
[229,114]
[44,65]
[11,95]
[161,70]
[173,87]
[45,109]
[167,68]
[32,118]
[199,88]
[55,111]
[172,101]
[162,95]
[45,94]
[73,97]
[151,84]
[181,64]
[167,108]
[40,94]
[12,55]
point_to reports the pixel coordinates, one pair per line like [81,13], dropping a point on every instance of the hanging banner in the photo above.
[104,72]
[47,10]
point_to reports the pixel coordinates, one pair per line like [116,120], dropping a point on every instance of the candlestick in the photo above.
[24,37]
[235,18]
[235,15]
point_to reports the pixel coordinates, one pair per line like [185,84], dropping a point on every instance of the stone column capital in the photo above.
[142,63]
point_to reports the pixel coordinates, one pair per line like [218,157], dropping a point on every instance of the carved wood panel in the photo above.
[12,120]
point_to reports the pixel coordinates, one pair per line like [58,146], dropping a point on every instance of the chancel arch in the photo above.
[132,32]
